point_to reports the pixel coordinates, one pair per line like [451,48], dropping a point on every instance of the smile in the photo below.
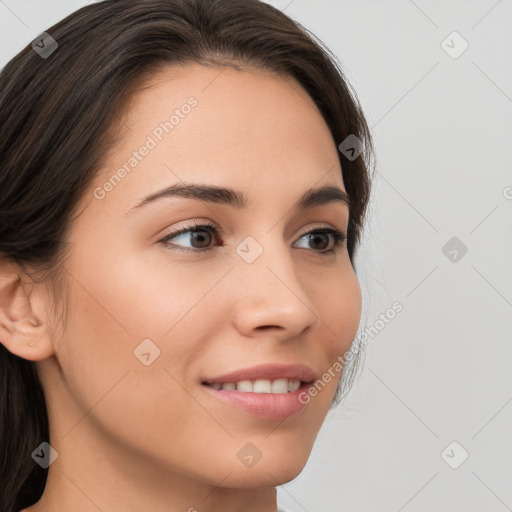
[265,391]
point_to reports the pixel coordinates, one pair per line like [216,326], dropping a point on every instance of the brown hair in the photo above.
[57,120]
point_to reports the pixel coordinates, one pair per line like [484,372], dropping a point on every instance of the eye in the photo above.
[317,236]
[322,235]
[197,231]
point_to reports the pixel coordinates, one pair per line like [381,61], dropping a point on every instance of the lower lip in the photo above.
[270,406]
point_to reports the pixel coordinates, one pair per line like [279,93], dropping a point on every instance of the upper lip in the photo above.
[266,371]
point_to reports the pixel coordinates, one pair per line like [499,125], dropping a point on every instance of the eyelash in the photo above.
[338,236]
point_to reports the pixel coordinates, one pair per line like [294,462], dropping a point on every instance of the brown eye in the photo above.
[320,237]
[201,237]
[202,234]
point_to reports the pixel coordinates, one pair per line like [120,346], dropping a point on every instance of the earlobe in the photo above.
[25,338]
[21,332]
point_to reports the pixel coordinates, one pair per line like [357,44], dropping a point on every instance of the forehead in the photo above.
[245,127]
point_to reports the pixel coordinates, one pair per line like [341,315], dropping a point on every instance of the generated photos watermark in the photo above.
[157,135]
[360,340]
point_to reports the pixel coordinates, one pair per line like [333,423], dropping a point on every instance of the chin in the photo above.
[276,470]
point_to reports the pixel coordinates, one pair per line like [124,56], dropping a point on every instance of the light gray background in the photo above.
[440,371]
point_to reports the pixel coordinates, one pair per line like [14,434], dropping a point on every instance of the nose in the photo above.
[270,299]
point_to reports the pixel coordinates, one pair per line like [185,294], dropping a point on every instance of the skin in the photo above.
[132,437]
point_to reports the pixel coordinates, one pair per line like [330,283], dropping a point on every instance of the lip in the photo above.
[269,406]
[266,371]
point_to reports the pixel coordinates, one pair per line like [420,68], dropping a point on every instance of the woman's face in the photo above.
[154,324]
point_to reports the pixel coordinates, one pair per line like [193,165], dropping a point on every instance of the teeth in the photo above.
[280,386]
[293,385]
[244,386]
[262,386]
[277,386]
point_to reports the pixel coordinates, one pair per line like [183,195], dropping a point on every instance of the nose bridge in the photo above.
[270,292]
[266,260]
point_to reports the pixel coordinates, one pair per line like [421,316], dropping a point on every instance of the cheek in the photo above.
[107,385]
[152,295]
[129,295]
[340,310]
[127,313]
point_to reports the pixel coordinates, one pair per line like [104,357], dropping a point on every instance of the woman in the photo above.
[171,336]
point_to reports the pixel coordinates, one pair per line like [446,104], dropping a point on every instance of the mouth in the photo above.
[265,391]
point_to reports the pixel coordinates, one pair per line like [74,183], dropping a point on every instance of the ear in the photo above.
[22,332]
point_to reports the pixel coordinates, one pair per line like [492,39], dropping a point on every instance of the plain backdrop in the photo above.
[427,425]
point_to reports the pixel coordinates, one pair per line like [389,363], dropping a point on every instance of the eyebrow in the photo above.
[237,199]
